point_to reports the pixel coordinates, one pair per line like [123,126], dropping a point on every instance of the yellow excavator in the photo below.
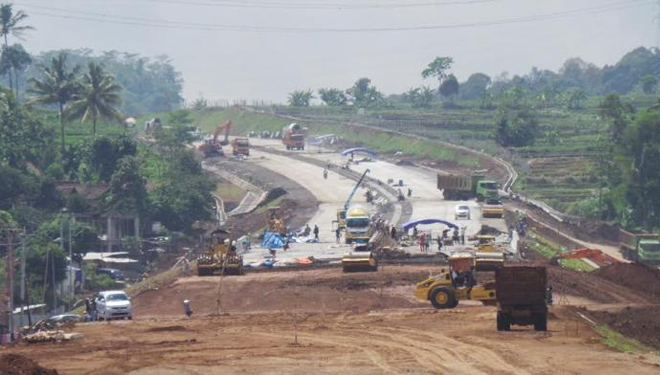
[454,284]
[221,257]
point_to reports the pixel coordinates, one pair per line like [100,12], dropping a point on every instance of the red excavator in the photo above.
[594,255]
[213,147]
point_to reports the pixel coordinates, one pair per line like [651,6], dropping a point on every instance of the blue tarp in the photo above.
[272,241]
[358,150]
[412,223]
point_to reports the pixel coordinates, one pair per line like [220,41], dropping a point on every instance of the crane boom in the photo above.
[350,196]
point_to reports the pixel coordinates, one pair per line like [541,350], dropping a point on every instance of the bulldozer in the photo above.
[454,284]
[221,257]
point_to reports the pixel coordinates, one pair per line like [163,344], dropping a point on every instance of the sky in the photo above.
[265,49]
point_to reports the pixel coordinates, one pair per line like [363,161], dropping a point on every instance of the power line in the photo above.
[170,24]
[324,5]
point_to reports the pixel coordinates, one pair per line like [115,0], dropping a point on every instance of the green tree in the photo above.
[515,127]
[420,97]
[618,114]
[14,58]
[128,192]
[104,154]
[475,86]
[333,97]
[98,97]
[58,85]
[83,236]
[576,99]
[449,88]
[438,68]
[186,198]
[300,98]
[11,23]
[363,94]
[649,84]
[641,145]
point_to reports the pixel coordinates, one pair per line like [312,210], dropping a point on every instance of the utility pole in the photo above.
[9,282]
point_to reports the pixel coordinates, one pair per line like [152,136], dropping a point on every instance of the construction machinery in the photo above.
[454,284]
[489,256]
[293,137]
[341,213]
[213,147]
[360,258]
[358,225]
[522,296]
[594,255]
[463,187]
[640,247]
[240,146]
[221,257]
[492,207]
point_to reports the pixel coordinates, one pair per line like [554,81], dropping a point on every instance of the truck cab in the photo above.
[358,225]
[487,189]
[240,146]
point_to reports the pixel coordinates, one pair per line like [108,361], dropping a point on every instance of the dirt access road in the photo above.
[345,323]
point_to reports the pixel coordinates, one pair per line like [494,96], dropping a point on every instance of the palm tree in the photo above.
[17,59]
[98,97]
[10,24]
[58,85]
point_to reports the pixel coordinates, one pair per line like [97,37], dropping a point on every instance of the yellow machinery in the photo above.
[489,256]
[492,208]
[361,258]
[455,284]
[275,222]
[221,257]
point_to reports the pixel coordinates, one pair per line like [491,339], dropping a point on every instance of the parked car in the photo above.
[114,304]
[64,318]
[462,212]
[114,273]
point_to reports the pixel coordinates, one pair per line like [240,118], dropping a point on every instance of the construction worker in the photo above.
[422,243]
[415,232]
[325,173]
[427,242]
[187,309]
[316,232]
[338,234]
[393,233]
[409,192]
[92,306]
[307,230]
[463,228]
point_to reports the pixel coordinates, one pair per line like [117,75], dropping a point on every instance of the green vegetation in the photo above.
[548,249]
[617,341]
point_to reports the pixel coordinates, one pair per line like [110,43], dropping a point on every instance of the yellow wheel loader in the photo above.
[454,284]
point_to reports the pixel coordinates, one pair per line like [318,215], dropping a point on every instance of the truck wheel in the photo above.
[442,298]
[503,323]
[541,322]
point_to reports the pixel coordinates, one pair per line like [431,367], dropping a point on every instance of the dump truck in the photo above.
[640,247]
[492,207]
[521,297]
[240,146]
[463,187]
[293,137]
[454,284]
[221,257]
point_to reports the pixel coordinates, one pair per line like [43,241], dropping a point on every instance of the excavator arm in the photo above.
[226,126]
[350,196]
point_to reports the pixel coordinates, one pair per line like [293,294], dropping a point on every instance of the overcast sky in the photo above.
[268,64]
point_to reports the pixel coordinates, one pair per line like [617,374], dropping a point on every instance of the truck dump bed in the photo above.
[629,240]
[521,285]
[453,182]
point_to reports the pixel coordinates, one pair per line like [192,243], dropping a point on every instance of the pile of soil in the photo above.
[593,287]
[633,276]
[256,221]
[640,323]
[16,364]
[489,231]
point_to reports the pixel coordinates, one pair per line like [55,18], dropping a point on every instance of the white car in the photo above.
[462,212]
[114,304]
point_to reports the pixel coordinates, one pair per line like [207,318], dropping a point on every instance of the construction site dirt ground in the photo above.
[323,321]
